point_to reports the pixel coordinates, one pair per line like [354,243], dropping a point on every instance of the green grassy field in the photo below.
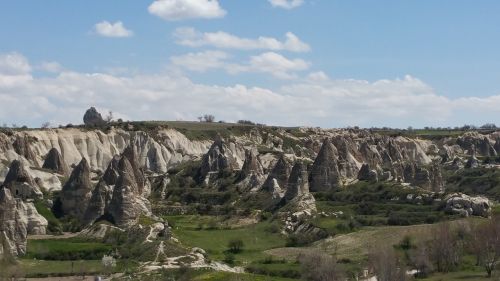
[65,249]
[256,238]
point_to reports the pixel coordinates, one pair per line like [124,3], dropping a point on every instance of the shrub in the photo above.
[235,246]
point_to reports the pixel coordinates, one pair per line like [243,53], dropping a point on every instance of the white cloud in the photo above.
[14,69]
[286,4]
[188,36]
[14,64]
[273,64]
[325,102]
[50,66]
[268,63]
[174,10]
[201,61]
[117,29]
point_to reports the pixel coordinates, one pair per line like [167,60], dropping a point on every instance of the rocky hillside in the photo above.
[124,174]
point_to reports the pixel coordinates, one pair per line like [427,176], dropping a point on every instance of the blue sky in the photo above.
[357,62]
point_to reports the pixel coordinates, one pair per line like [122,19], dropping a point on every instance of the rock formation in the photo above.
[20,182]
[277,180]
[367,174]
[76,193]
[126,204]
[93,118]
[465,205]
[251,175]
[325,174]
[55,162]
[13,230]
[22,147]
[18,219]
[217,159]
[298,182]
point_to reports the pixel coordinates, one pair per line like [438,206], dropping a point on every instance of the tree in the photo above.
[209,118]
[235,246]
[386,265]
[419,258]
[445,248]
[45,125]
[317,266]
[486,244]
[109,117]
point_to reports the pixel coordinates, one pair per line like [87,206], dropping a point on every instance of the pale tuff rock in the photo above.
[98,203]
[277,180]
[111,174]
[55,162]
[13,229]
[20,182]
[475,141]
[76,193]
[472,162]
[93,118]
[126,204]
[22,147]
[370,154]
[298,182]
[497,145]
[367,174]
[18,220]
[168,149]
[325,175]
[457,164]
[218,158]
[143,185]
[468,205]
[252,173]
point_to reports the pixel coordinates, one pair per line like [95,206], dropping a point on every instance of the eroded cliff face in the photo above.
[111,171]
[337,155]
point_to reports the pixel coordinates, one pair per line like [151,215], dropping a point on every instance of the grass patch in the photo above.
[66,249]
[256,238]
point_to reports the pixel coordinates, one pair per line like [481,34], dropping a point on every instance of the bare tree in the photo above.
[386,265]
[46,125]
[200,118]
[486,244]
[420,260]
[444,248]
[209,118]
[109,117]
[319,267]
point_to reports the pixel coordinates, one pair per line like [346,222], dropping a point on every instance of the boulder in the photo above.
[93,118]
[55,162]
[325,175]
[76,193]
[459,203]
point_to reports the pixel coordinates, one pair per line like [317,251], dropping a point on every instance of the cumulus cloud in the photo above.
[174,10]
[286,4]
[311,102]
[50,66]
[269,63]
[201,61]
[190,37]
[107,29]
